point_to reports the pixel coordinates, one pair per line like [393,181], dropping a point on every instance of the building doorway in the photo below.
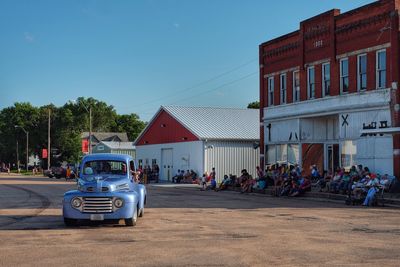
[167,164]
[331,157]
[312,154]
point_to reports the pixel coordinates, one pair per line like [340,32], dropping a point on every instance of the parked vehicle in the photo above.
[56,172]
[59,172]
[3,169]
[48,173]
[107,190]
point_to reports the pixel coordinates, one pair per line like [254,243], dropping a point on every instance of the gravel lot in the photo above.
[184,226]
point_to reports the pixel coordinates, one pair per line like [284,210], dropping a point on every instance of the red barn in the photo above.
[329,91]
[200,138]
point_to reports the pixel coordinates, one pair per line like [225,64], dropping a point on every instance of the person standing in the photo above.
[213,184]
[204,182]
[68,173]
[260,173]
[213,174]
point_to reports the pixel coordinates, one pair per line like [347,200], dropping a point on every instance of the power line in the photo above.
[216,88]
[199,84]
[208,91]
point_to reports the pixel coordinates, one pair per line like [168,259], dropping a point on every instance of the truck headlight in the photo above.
[123,187]
[76,202]
[118,203]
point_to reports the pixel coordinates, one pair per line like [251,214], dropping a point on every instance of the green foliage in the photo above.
[131,124]
[254,105]
[67,124]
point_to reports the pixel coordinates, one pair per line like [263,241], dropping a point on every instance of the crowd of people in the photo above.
[359,184]
[146,173]
[207,180]
[188,177]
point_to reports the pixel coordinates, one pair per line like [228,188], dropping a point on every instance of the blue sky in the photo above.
[138,55]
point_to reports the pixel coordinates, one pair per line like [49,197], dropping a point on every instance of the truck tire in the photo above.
[141,212]
[132,221]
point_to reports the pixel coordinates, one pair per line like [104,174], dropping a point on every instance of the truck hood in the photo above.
[104,184]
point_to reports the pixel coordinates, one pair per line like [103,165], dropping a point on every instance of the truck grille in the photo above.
[97,205]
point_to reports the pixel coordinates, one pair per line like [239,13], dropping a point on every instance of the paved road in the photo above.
[188,227]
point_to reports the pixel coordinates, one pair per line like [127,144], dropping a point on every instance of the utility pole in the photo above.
[48,142]
[90,130]
[27,156]
[27,143]
[17,158]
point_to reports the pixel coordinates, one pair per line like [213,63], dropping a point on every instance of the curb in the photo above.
[324,197]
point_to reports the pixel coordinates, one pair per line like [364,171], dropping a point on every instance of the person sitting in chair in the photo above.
[225,183]
[371,186]
[177,178]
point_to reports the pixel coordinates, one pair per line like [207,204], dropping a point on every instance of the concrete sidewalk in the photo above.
[390,200]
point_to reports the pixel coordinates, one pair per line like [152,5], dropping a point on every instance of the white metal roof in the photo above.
[218,123]
[107,136]
[119,145]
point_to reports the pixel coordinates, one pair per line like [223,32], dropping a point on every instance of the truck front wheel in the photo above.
[132,221]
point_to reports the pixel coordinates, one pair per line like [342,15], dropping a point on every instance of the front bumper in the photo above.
[125,212]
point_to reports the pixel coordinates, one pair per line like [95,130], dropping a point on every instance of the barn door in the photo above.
[166,164]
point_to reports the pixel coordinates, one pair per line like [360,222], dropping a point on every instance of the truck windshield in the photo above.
[104,167]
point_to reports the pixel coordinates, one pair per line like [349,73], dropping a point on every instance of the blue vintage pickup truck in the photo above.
[107,190]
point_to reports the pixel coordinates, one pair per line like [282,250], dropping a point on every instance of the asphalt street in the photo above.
[184,226]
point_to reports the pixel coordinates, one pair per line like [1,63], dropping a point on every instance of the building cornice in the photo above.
[362,51]
[330,105]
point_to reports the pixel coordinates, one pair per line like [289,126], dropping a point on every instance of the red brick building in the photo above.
[327,86]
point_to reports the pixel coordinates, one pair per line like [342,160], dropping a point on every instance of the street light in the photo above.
[48,142]
[27,142]
[89,110]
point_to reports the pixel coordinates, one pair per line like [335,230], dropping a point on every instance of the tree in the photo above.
[67,124]
[131,124]
[22,115]
[254,105]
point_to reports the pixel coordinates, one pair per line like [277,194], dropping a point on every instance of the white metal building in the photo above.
[116,148]
[200,138]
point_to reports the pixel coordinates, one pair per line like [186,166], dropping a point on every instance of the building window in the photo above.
[326,79]
[311,82]
[283,88]
[270,91]
[282,153]
[271,154]
[293,154]
[344,75]
[296,86]
[140,162]
[362,72]
[381,69]
[349,152]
